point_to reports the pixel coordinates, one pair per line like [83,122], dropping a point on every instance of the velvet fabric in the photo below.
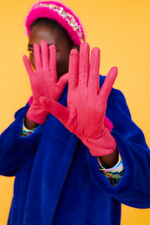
[86,98]
[57,179]
[38,12]
[43,80]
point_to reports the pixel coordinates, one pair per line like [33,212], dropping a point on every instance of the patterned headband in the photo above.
[58,12]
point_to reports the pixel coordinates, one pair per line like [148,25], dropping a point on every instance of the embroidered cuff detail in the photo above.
[26,132]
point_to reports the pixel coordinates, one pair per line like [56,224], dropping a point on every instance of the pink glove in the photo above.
[44,80]
[86,103]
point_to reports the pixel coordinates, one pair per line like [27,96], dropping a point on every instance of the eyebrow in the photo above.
[31,46]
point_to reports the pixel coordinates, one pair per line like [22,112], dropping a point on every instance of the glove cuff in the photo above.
[102,145]
[37,113]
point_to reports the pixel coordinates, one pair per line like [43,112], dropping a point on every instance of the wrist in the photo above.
[29,124]
[111,159]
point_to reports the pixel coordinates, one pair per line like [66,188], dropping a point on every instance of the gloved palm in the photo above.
[44,80]
[86,102]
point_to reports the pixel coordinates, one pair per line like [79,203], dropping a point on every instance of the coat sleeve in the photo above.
[133,189]
[14,149]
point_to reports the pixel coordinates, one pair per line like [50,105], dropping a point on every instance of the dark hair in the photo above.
[54,25]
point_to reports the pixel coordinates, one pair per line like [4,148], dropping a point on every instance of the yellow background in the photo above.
[120,28]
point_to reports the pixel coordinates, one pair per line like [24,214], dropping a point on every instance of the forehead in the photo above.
[39,33]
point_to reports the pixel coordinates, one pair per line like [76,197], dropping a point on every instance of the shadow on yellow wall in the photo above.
[121,29]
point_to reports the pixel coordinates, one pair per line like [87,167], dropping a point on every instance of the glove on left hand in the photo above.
[86,103]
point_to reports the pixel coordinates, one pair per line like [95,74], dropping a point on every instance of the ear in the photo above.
[76,47]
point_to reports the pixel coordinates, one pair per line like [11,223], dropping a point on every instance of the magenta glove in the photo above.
[86,103]
[44,80]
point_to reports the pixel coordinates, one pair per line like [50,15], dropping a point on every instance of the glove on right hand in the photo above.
[44,80]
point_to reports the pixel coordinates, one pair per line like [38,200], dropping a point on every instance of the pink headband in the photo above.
[64,16]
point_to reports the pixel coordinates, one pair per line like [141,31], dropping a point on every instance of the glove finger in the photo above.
[108,83]
[84,64]
[93,82]
[44,54]
[28,66]
[73,69]
[56,109]
[37,57]
[52,63]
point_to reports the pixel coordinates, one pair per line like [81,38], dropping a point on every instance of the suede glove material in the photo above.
[44,80]
[86,102]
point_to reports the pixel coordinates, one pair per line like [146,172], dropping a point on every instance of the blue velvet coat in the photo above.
[57,179]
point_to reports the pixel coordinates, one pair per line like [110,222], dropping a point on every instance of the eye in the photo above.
[30,51]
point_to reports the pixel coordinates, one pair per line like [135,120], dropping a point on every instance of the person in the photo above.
[74,151]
